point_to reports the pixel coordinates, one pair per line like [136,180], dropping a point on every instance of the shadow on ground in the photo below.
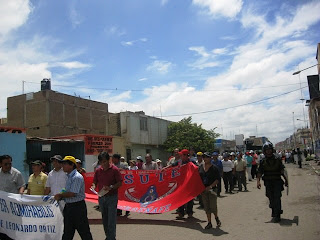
[191,223]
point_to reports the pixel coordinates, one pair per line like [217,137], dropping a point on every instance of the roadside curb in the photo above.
[314,169]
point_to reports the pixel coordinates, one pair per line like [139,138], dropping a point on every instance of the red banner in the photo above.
[154,191]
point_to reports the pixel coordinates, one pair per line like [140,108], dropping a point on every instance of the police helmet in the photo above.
[267,145]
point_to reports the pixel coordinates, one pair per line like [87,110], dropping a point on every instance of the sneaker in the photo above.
[208,226]
[218,222]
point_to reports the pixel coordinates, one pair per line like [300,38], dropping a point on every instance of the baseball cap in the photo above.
[207,154]
[56,157]
[215,154]
[70,159]
[139,158]
[158,160]
[199,153]
[36,162]
[226,155]
[78,160]
[184,151]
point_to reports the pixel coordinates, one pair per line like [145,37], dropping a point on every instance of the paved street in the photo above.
[244,215]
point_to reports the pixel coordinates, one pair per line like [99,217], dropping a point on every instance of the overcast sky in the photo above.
[226,63]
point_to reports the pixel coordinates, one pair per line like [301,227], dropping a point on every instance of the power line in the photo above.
[141,90]
[222,109]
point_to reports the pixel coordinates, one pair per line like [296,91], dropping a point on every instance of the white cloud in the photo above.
[13,15]
[142,79]
[71,65]
[162,67]
[206,59]
[131,43]
[115,31]
[128,43]
[215,8]
[164,2]
[75,17]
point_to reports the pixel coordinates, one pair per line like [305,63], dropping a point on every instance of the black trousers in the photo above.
[186,208]
[75,218]
[227,180]
[273,192]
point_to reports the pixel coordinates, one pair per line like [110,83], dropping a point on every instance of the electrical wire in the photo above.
[222,109]
[142,90]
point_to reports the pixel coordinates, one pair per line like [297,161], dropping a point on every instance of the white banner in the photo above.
[30,217]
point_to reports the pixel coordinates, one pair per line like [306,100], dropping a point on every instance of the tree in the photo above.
[185,134]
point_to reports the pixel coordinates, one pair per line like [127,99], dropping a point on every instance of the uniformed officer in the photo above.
[271,169]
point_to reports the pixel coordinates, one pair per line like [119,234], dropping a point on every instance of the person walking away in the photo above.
[240,171]
[210,177]
[228,167]
[299,154]
[254,165]
[271,169]
[249,160]
[75,210]
[108,178]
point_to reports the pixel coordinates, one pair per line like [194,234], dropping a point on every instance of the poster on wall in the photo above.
[94,144]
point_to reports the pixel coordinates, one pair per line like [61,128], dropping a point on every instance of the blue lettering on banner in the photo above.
[1,223]
[161,209]
[128,179]
[160,175]
[175,173]
[144,179]
[47,228]
[23,210]
[21,227]
[3,206]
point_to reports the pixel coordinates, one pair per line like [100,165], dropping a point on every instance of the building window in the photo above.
[143,124]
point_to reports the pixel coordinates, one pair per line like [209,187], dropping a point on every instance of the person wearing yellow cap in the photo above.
[75,210]
[200,158]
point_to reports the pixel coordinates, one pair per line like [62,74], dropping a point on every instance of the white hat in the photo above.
[139,158]
[158,160]
[78,160]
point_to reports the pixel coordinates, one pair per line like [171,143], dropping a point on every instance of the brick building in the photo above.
[49,113]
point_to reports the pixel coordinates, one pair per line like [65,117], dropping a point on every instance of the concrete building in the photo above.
[314,106]
[143,134]
[49,113]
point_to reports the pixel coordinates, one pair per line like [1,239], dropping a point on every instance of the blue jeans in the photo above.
[108,207]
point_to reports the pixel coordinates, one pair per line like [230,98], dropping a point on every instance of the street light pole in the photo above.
[294,131]
[297,72]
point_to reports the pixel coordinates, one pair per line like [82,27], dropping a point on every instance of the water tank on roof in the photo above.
[46,84]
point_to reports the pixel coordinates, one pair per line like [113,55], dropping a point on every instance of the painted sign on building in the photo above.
[94,144]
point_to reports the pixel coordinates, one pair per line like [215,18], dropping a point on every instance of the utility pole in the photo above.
[294,131]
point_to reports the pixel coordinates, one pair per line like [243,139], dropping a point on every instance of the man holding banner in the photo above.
[75,210]
[108,179]
[11,180]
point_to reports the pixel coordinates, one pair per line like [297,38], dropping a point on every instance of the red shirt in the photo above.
[106,178]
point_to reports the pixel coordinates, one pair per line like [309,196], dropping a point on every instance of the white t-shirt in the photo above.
[227,165]
[56,181]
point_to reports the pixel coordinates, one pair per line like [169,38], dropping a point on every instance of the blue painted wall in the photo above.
[14,144]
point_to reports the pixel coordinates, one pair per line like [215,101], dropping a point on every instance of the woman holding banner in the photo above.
[210,178]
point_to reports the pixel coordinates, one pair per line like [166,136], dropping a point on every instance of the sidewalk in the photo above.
[315,165]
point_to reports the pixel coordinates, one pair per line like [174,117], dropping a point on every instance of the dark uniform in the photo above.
[271,169]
